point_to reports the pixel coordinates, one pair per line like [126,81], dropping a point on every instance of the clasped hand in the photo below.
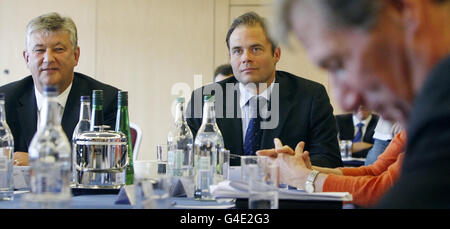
[295,166]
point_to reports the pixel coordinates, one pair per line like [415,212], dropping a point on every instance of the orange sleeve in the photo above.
[385,159]
[367,189]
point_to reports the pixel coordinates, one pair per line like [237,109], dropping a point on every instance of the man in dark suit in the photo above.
[295,109]
[51,54]
[410,85]
[358,127]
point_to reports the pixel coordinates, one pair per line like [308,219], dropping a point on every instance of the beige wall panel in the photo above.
[250,2]
[14,16]
[221,24]
[147,47]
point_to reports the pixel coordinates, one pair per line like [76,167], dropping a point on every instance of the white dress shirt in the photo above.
[364,128]
[61,99]
[383,130]
[245,96]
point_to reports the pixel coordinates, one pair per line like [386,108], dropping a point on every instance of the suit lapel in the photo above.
[232,126]
[72,108]
[71,111]
[285,107]
[368,135]
[27,114]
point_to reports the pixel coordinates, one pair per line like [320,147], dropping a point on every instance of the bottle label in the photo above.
[171,159]
[3,163]
[204,163]
[179,158]
[175,162]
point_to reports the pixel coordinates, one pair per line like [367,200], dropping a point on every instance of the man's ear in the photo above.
[77,55]
[25,56]
[277,54]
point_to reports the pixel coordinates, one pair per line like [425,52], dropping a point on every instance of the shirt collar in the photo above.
[61,98]
[365,121]
[246,95]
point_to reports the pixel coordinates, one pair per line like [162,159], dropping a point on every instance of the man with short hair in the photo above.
[394,57]
[51,54]
[358,127]
[222,72]
[264,103]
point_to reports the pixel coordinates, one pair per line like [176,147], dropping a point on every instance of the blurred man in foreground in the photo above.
[393,57]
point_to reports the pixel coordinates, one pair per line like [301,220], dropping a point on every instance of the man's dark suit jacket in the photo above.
[346,130]
[21,108]
[305,115]
[424,181]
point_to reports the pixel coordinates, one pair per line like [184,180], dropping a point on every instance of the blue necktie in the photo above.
[358,136]
[253,135]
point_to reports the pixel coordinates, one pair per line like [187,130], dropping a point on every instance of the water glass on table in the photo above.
[153,193]
[346,148]
[263,184]
[246,163]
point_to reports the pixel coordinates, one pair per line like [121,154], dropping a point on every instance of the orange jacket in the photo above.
[368,183]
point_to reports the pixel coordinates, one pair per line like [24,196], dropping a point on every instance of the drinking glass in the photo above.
[263,184]
[246,163]
[346,148]
[153,193]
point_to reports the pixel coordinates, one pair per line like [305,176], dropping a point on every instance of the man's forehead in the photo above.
[249,34]
[49,37]
[323,48]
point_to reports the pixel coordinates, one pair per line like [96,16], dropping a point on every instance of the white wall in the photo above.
[145,47]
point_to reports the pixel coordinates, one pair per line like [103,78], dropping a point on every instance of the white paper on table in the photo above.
[227,204]
[239,189]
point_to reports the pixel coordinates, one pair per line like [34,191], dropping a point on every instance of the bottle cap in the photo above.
[208,98]
[50,90]
[85,98]
[97,97]
[122,98]
[180,100]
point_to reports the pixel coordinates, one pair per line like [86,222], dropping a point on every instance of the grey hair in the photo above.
[361,14]
[53,22]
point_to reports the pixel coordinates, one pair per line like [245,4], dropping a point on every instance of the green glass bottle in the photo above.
[123,125]
[97,111]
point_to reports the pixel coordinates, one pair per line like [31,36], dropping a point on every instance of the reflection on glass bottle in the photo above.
[123,125]
[82,126]
[208,143]
[49,153]
[180,157]
[162,164]
[6,155]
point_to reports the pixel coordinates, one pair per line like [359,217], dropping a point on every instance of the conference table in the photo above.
[113,201]
[109,201]
[119,199]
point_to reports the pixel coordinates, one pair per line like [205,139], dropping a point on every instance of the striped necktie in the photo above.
[358,136]
[253,134]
